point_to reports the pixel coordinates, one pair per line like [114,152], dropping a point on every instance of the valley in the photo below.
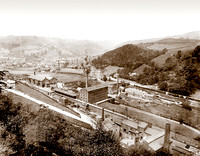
[129,93]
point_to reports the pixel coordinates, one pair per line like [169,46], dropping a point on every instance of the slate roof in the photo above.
[130,123]
[151,131]
[143,125]
[157,144]
[40,77]
[65,92]
[96,87]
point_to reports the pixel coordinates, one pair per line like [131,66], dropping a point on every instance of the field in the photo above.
[172,50]
[28,71]
[111,69]
[140,69]
[65,78]
[171,46]
[160,60]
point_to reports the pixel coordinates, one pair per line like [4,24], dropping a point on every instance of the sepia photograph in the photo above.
[99,78]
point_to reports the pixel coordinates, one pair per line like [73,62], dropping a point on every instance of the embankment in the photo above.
[42,97]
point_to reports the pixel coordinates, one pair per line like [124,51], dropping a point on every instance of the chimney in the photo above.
[102,117]
[167,138]
[137,138]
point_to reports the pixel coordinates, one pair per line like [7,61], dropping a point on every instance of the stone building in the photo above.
[94,94]
[42,81]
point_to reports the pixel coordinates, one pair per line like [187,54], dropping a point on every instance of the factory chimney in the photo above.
[167,138]
[102,115]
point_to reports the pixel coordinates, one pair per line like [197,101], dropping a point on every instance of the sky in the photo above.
[121,20]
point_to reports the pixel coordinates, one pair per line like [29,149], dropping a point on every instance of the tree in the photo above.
[105,78]
[103,143]
[163,86]
[196,53]
[140,150]
[179,54]
[7,109]
[164,50]
[2,74]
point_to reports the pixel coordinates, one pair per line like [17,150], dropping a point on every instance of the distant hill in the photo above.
[44,46]
[195,35]
[170,44]
[190,35]
[174,43]
[128,56]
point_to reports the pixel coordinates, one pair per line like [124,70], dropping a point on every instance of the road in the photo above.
[83,118]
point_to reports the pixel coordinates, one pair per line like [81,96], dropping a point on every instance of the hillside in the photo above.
[195,35]
[179,74]
[19,46]
[128,56]
[171,45]
[190,35]
[28,129]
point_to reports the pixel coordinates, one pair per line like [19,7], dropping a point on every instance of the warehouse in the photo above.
[94,94]
[42,81]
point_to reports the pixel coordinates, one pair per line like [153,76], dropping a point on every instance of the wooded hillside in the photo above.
[128,56]
[180,73]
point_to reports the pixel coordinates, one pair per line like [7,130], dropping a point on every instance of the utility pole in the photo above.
[117,83]
[126,111]
[102,115]
[86,81]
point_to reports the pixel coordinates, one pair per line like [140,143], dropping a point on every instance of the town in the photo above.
[78,90]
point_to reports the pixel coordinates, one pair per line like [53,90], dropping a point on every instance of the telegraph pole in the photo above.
[117,83]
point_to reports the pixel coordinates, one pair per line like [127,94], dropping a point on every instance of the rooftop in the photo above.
[143,124]
[110,83]
[118,122]
[96,87]
[10,81]
[70,93]
[108,126]
[154,137]
[130,123]
[40,77]
[157,144]
[151,131]
[184,147]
